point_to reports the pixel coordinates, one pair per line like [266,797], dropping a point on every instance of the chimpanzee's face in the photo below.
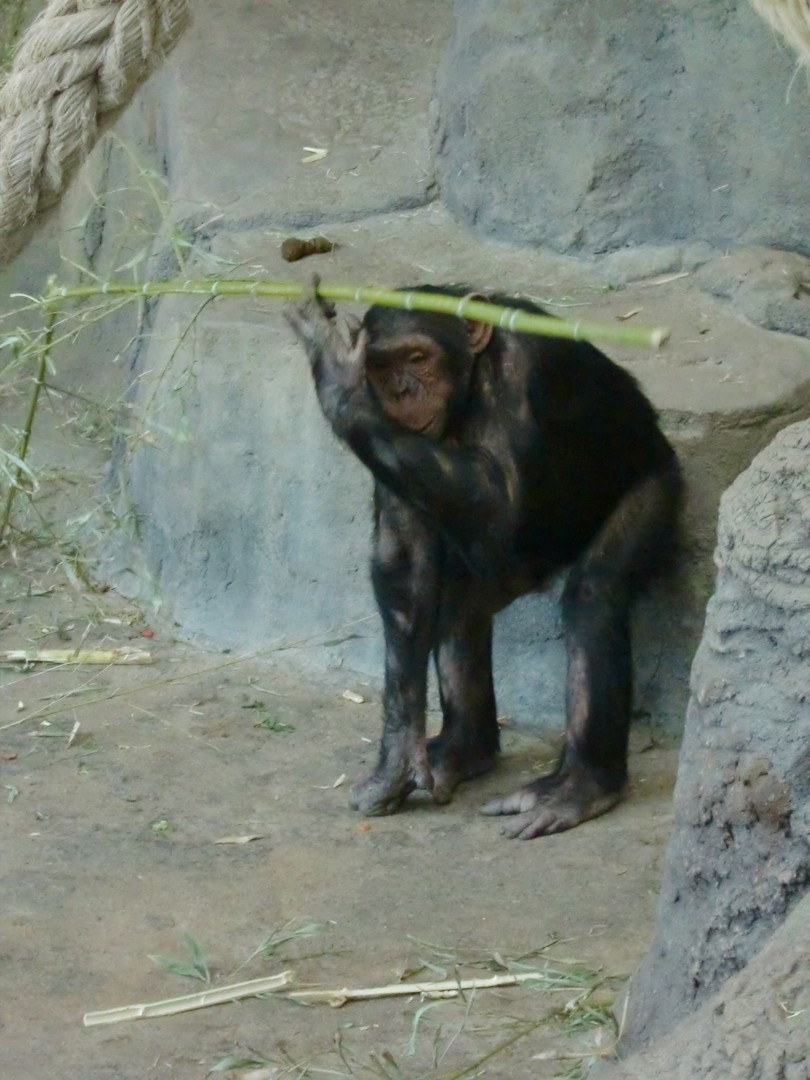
[413,379]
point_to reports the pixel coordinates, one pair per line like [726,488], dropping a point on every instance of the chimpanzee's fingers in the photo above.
[309,315]
[299,316]
[309,311]
[311,327]
[326,306]
[357,350]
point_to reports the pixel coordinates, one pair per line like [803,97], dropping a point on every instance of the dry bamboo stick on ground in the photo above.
[338,997]
[124,655]
[237,991]
[172,1006]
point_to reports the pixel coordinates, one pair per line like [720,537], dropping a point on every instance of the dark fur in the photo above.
[550,457]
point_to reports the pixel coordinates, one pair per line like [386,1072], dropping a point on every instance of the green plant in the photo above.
[195,968]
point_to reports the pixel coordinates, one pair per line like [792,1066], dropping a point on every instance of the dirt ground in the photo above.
[117,782]
[196,809]
[112,851]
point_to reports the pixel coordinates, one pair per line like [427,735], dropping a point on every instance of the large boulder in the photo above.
[739,855]
[587,127]
[753,1028]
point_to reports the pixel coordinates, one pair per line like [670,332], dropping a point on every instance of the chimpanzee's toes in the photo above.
[516,803]
[541,822]
[554,803]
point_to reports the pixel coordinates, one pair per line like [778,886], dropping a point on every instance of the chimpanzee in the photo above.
[500,459]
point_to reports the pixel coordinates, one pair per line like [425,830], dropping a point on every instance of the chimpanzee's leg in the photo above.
[467,745]
[405,574]
[596,602]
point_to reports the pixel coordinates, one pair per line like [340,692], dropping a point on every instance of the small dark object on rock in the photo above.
[294,248]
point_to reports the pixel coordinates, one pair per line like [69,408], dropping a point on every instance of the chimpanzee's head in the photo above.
[419,364]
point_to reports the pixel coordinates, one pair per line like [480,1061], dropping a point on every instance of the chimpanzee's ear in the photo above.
[479,334]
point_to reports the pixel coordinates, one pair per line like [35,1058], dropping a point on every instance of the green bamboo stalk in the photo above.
[42,368]
[464,307]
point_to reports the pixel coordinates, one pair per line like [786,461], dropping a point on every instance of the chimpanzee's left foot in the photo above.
[452,764]
[552,804]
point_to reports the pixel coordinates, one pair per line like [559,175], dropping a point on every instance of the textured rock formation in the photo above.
[754,1028]
[588,127]
[739,855]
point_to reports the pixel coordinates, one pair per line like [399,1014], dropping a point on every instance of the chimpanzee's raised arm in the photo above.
[390,401]
[337,365]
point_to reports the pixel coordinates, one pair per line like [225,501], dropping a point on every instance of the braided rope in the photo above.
[790,18]
[76,67]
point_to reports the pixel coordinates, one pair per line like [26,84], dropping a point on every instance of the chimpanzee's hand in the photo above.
[337,366]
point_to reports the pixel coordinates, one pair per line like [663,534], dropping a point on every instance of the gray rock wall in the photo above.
[254,523]
[239,516]
[588,127]
[739,855]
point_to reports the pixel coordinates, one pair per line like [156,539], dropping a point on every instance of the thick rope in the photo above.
[790,18]
[77,66]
